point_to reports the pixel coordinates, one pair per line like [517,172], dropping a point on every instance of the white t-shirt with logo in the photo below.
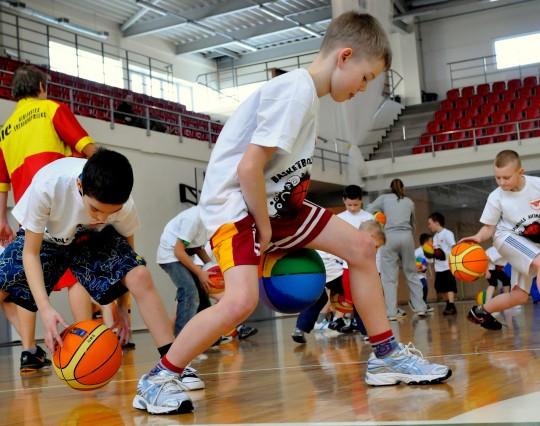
[186,226]
[443,242]
[356,219]
[517,212]
[283,114]
[53,205]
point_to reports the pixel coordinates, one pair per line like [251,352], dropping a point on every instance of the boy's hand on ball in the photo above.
[204,279]
[472,239]
[50,319]
[122,325]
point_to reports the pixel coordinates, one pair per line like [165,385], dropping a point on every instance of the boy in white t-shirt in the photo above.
[496,273]
[253,201]
[79,214]
[423,268]
[512,217]
[443,241]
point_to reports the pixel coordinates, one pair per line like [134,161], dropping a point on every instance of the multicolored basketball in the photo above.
[290,282]
[468,261]
[421,264]
[481,298]
[340,304]
[380,217]
[428,250]
[90,356]
[218,283]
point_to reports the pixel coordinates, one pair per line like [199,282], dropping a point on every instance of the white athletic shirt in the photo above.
[419,252]
[355,220]
[495,258]
[444,241]
[283,113]
[517,212]
[53,205]
[186,226]
[332,264]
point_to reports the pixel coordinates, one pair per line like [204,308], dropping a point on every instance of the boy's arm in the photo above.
[485,233]
[6,233]
[34,275]
[203,255]
[251,176]
[89,150]
[185,259]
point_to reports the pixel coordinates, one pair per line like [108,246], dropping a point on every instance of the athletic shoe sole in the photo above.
[186,406]
[389,379]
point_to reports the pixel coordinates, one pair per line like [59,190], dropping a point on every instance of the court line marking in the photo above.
[292,367]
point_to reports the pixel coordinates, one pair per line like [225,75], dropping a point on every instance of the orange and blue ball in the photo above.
[290,282]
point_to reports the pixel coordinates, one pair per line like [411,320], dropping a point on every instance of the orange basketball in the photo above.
[90,356]
[218,283]
[468,261]
[380,217]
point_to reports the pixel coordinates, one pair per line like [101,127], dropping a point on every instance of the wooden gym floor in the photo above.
[269,379]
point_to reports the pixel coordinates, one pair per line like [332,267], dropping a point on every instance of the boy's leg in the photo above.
[489,292]
[79,302]
[139,282]
[307,318]
[424,289]
[10,312]
[499,303]
[239,300]
[391,363]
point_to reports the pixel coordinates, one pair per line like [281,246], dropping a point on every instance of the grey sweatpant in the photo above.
[400,245]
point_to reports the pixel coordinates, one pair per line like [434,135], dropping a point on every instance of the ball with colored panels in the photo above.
[89,357]
[380,217]
[290,282]
[468,261]
[481,298]
[428,250]
[421,264]
[340,303]
[216,278]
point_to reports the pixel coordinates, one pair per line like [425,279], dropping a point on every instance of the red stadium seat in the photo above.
[477,100]
[492,98]
[418,149]
[508,95]
[425,139]
[447,105]
[467,92]
[440,116]
[453,94]
[520,104]
[483,89]
[498,87]
[503,106]
[433,127]
[449,125]
[524,93]
[487,109]
[514,84]
[498,117]
[462,103]
[530,81]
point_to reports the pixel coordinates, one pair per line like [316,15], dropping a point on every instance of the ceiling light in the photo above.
[245,46]
[63,22]
[271,13]
[309,31]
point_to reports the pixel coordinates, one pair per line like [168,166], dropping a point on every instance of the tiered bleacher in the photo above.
[97,100]
[485,114]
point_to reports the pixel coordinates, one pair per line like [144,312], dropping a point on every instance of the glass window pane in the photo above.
[516,51]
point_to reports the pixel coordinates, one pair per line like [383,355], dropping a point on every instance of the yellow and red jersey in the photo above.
[37,133]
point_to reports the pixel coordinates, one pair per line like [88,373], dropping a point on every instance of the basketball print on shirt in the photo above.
[532,232]
[293,195]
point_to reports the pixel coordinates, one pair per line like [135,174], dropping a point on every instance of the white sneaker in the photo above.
[162,393]
[400,314]
[190,379]
[323,325]
[406,364]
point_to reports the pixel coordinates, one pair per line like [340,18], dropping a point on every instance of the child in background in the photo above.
[419,254]
[511,216]
[334,273]
[496,273]
[443,241]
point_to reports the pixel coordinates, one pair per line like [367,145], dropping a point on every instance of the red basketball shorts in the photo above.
[66,280]
[236,243]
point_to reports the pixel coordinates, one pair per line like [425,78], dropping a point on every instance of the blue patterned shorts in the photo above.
[99,260]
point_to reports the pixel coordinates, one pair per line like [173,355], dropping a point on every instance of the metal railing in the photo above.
[471,72]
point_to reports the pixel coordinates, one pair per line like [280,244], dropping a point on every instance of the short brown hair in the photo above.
[375,228]
[506,157]
[26,82]
[359,31]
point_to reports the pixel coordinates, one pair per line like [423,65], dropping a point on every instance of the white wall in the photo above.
[470,36]
[405,62]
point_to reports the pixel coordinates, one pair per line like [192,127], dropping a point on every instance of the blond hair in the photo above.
[374,228]
[361,32]
[504,158]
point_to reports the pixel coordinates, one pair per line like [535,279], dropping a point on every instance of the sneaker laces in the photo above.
[168,384]
[411,351]
[189,370]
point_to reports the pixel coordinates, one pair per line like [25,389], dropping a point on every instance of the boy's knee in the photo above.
[138,279]
[239,308]
[362,249]
[520,296]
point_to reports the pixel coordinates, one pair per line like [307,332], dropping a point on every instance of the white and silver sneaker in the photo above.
[162,393]
[406,364]
[190,379]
